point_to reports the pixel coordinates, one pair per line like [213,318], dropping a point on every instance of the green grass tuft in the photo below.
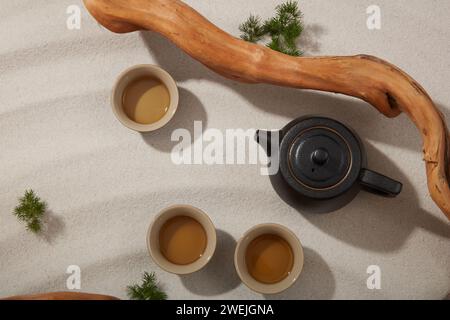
[284,29]
[147,290]
[30,210]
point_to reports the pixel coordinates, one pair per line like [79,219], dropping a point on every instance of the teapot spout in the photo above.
[268,140]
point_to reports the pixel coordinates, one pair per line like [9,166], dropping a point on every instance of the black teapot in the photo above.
[322,165]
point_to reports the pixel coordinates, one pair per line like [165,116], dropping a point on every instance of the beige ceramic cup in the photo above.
[153,238]
[133,73]
[241,265]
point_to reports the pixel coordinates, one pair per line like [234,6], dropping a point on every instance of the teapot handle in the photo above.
[379,184]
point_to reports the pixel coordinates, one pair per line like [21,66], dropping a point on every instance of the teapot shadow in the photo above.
[190,109]
[377,223]
[219,275]
[316,282]
[305,205]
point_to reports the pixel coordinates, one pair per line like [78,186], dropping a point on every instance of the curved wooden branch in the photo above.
[63,296]
[373,80]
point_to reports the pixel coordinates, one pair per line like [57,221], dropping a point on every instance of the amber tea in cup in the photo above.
[181,239]
[146,100]
[269,258]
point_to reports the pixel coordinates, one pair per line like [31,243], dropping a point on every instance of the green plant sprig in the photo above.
[252,29]
[31,210]
[284,29]
[148,290]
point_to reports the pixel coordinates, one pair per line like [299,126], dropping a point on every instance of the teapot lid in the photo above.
[320,157]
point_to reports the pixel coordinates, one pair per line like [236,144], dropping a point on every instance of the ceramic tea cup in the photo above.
[242,264]
[132,74]
[167,220]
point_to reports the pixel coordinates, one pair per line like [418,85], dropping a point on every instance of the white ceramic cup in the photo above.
[136,72]
[153,238]
[241,265]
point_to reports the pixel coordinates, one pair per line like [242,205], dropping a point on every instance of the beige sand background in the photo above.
[104,183]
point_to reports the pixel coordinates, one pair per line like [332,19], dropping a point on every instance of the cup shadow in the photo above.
[219,275]
[190,109]
[316,282]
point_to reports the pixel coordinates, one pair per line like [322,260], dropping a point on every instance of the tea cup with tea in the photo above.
[181,239]
[269,258]
[144,98]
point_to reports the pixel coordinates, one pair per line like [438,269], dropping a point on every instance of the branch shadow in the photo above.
[104,271]
[316,281]
[290,103]
[308,41]
[219,275]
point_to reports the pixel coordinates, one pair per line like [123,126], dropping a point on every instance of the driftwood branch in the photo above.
[383,85]
[62,296]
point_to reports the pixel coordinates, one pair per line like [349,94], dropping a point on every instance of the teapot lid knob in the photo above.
[320,156]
